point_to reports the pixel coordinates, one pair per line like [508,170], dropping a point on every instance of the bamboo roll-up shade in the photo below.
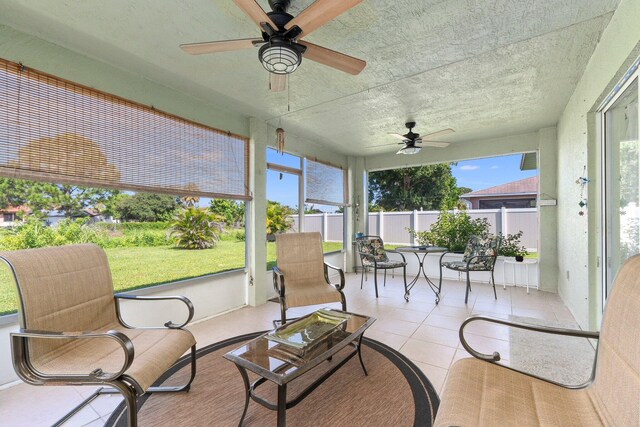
[325,184]
[58,131]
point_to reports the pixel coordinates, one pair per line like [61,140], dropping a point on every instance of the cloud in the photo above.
[494,167]
[469,167]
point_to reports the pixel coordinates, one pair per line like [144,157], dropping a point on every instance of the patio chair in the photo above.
[480,392]
[374,255]
[72,332]
[302,277]
[479,255]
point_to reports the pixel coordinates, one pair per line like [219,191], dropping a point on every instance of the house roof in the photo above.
[522,187]
[15,209]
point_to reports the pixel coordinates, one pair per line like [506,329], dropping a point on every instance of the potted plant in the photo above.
[509,246]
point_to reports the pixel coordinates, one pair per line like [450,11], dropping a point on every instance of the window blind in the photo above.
[58,131]
[325,184]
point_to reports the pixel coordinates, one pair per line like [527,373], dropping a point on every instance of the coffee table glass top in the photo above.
[295,347]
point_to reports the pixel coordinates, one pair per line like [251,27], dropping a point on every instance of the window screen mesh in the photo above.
[325,184]
[54,130]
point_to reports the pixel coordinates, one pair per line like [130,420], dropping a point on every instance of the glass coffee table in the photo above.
[297,347]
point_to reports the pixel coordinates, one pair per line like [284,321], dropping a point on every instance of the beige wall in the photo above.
[578,146]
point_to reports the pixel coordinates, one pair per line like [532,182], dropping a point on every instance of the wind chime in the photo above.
[582,182]
[280,139]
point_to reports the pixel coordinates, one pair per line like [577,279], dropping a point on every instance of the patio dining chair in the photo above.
[480,254]
[301,277]
[373,255]
[72,331]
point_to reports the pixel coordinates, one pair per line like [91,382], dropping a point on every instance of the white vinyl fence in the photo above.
[392,226]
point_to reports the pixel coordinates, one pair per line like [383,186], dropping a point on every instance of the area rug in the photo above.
[395,393]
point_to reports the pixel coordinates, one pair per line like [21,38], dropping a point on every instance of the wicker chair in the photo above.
[479,255]
[374,255]
[481,393]
[72,333]
[301,277]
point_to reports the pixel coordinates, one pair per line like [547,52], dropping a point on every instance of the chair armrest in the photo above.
[447,253]
[393,251]
[29,374]
[339,270]
[495,357]
[278,281]
[168,324]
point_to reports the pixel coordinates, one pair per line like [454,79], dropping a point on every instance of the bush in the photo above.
[195,229]
[452,230]
[240,235]
[278,220]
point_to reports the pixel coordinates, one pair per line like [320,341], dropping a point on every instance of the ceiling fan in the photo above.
[410,139]
[281,48]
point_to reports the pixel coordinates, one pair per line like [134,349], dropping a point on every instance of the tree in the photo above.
[44,197]
[230,210]
[146,207]
[430,187]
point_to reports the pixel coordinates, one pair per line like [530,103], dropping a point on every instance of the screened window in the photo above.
[325,184]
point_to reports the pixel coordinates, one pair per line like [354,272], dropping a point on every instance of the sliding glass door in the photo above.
[622,180]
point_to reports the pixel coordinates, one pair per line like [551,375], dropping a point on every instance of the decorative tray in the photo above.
[304,332]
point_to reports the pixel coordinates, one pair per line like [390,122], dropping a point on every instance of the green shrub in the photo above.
[278,220]
[240,235]
[195,229]
[452,230]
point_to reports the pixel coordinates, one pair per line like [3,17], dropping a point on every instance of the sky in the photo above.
[475,174]
[484,173]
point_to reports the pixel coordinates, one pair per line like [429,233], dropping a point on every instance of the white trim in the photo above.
[617,92]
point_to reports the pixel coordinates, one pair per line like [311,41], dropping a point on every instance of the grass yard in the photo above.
[147,266]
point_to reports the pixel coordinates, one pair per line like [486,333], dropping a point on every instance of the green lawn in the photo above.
[140,267]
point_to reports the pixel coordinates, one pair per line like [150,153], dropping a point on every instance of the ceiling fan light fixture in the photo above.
[280,56]
[409,149]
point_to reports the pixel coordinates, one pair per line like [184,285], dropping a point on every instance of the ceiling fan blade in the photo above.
[439,133]
[333,59]
[219,46]
[319,13]
[440,144]
[255,12]
[277,82]
[397,135]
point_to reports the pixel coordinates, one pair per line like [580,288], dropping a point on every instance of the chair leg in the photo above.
[362,276]
[283,313]
[384,284]
[466,295]
[130,400]
[375,280]
[493,280]
[344,301]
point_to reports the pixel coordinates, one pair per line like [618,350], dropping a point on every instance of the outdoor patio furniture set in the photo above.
[67,289]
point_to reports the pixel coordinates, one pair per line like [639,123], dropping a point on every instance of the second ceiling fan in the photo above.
[411,139]
[281,48]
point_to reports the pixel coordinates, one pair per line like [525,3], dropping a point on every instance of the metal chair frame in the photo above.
[468,269]
[279,287]
[376,267]
[118,382]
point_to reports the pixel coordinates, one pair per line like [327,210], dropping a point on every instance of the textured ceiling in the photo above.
[484,68]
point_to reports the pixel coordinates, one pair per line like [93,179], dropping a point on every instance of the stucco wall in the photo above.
[578,236]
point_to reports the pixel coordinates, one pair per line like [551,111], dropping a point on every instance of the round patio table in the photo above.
[421,253]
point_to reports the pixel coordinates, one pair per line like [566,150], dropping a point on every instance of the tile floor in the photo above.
[424,332]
